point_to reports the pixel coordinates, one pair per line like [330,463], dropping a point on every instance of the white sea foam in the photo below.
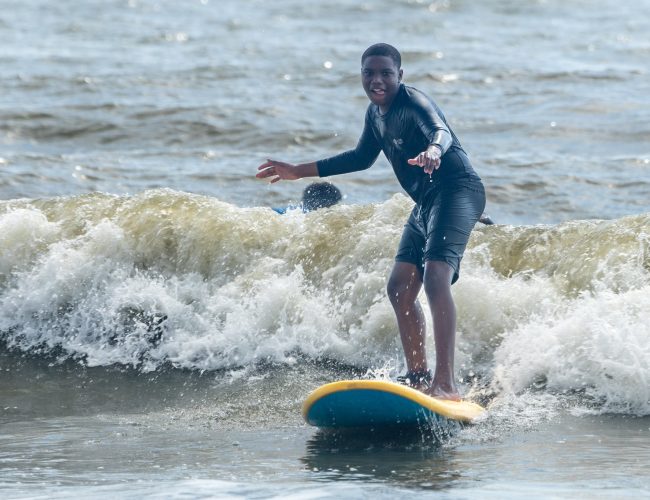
[166,277]
[24,234]
[599,344]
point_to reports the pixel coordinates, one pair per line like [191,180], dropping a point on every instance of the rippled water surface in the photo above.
[549,98]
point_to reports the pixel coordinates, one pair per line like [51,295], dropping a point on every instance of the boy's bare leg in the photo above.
[403,288]
[437,285]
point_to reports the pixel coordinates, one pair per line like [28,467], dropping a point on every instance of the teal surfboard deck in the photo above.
[380,403]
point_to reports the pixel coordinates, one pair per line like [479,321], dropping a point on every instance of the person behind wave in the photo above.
[316,195]
[432,167]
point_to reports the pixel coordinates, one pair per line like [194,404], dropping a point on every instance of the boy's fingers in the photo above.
[414,161]
[268,163]
[266,170]
[269,172]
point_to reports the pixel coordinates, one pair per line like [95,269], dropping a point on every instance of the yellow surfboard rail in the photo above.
[463,411]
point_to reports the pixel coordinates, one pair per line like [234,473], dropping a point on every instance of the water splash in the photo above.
[168,278]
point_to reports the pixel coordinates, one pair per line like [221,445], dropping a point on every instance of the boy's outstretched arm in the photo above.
[279,170]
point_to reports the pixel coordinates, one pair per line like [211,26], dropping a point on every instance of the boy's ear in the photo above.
[400,75]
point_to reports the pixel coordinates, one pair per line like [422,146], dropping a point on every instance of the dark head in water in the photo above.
[381,74]
[320,195]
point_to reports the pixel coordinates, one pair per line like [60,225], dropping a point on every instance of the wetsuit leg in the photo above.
[449,219]
[411,246]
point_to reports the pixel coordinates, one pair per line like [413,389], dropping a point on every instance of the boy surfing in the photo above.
[434,170]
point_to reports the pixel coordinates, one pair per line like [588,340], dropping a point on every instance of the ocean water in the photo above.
[160,325]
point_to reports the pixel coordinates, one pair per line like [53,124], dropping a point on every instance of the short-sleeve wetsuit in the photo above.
[447,203]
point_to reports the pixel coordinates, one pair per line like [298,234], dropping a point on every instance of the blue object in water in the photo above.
[380,403]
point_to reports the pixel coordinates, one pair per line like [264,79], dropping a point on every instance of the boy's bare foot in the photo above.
[442,391]
[422,380]
[445,389]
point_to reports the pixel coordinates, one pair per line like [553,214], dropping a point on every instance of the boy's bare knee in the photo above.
[437,278]
[402,288]
[396,289]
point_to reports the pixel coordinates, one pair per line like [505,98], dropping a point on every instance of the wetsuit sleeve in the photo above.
[432,125]
[359,158]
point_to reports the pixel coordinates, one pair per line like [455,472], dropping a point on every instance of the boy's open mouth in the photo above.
[378,91]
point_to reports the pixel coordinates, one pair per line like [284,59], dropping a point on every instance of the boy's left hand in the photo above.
[429,160]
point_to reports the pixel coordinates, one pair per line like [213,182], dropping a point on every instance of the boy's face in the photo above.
[380,78]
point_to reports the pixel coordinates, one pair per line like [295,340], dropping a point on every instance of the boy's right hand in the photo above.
[277,170]
[429,159]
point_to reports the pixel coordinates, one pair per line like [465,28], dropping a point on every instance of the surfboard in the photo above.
[381,403]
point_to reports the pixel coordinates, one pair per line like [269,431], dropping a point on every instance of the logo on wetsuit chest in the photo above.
[398,143]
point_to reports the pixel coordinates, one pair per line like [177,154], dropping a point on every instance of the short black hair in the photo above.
[320,195]
[383,49]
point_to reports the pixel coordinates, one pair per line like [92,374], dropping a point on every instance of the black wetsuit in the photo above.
[448,202]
